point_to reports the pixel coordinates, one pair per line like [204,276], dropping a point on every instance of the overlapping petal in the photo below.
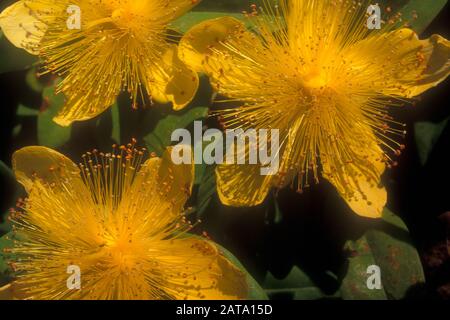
[22,26]
[203,272]
[164,186]
[53,169]
[210,36]
[173,81]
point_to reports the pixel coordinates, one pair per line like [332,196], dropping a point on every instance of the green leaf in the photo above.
[388,246]
[206,179]
[229,5]
[427,135]
[294,280]
[105,129]
[17,130]
[115,115]
[420,13]
[310,293]
[190,19]
[12,58]
[24,111]
[51,134]
[33,81]
[354,284]
[160,137]
[297,285]
[5,271]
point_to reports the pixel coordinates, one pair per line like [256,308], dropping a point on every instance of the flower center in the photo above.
[315,79]
[122,253]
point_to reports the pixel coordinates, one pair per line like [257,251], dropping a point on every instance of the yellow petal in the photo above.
[22,27]
[245,185]
[55,190]
[200,271]
[174,81]
[164,183]
[85,99]
[89,87]
[399,64]
[180,7]
[358,182]
[180,177]
[197,44]
[437,55]
[46,165]
[242,185]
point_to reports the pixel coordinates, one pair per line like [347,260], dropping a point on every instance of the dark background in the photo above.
[315,225]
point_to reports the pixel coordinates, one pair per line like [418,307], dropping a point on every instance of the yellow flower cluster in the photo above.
[309,68]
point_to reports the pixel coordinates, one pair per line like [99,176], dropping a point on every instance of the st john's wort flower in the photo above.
[120,46]
[313,70]
[120,220]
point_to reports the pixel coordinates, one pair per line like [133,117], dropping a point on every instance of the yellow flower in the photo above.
[119,219]
[314,70]
[121,46]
